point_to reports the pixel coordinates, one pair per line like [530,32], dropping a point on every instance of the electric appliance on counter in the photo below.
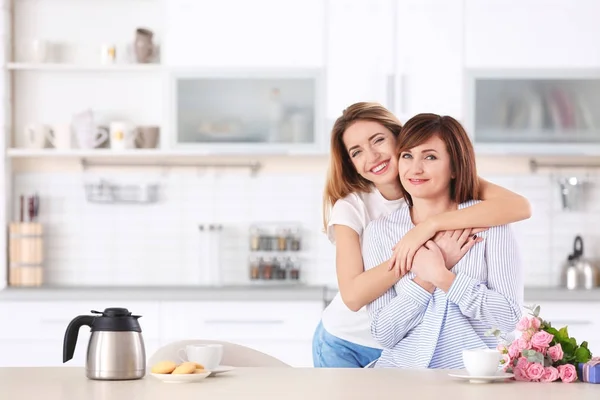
[116,348]
[578,272]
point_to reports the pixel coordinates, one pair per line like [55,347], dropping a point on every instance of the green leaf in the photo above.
[582,355]
[553,332]
[568,348]
[536,311]
[563,332]
[584,344]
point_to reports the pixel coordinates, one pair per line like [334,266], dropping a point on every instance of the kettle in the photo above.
[116,348]
[577,272]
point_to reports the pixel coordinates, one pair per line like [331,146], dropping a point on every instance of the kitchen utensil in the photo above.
[35,135]
[60,136]
[208,355]
[122,135]
[572,191]
[25,254]
[481,362]
[116,347]
[578,272]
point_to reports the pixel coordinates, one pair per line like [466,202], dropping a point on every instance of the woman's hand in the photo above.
[455,244]
[404,251]
[429,262]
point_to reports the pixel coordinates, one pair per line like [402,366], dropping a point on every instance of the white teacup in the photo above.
[481,362]
[209,355]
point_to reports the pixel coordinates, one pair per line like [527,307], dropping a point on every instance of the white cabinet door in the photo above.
[359,53]
[532,33]
[239,33]
[429,58]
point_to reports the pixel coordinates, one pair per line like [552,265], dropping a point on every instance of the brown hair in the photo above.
[422,127]
[342,177]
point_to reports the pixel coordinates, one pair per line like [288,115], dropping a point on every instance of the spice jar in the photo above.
[294,268]
[293,240]
[282,239]
[254,268]
[254,238]
[280,270]
[267,268]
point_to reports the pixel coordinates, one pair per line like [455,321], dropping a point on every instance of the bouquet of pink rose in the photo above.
[542,353]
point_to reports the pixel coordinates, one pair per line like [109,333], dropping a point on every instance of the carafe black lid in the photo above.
[116,319]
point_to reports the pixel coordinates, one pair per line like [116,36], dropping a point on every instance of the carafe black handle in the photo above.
[578,247]
[71,334]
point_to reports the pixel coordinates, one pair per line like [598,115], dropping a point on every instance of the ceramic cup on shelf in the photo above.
[60,136]
[143,45]
[481,362]
[122,135]
[208,355]
[34,136]
[147,137]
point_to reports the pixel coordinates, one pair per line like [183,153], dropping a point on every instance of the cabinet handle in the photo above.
[391,92]
[247,321]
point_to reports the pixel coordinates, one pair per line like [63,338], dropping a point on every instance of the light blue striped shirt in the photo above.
[419,329]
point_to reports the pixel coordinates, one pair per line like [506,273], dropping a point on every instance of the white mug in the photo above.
[122,135]
[481,362]
[60,136]
[35,136]
[208,355]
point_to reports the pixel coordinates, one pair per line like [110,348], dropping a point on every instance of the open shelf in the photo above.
[58,67]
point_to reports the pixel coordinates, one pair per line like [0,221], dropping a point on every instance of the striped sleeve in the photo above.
[499,302]
[394,313]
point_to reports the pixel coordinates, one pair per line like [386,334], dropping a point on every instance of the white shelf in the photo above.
[17,153]
[85,68]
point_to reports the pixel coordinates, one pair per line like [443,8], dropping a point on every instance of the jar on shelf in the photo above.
[280,269]
[267,268]
[254,268]
[293,268]
[293,240]
[255,235]
[282,236]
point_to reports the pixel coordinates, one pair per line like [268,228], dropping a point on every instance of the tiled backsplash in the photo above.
[159,244]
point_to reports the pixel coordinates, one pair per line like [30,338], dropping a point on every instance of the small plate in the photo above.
[181,378]
[221,369]
[500,376]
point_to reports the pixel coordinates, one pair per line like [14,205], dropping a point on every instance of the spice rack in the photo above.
[275,253]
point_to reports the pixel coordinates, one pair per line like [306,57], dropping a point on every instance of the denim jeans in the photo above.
[332,352]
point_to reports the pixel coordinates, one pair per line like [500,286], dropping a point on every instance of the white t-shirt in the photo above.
[355,211]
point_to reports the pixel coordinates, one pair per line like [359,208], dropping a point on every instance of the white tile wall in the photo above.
[92,244]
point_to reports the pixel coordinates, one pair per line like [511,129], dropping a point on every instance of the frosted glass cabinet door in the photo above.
[240,33]
[532,33]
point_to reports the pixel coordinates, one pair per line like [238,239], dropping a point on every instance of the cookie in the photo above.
[200,371]
[185,368]
[199,366]
[164,367]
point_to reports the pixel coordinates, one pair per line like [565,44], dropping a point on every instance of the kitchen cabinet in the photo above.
[359,54]
[33,332]
[429,58]
[532,33]
[238,33]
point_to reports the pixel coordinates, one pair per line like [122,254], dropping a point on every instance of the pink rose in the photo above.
[527,334]
[556,352]
[502,349]
[540,349]
[535,323]
[535,371]
[541,339]
[550,374]
[523,324]
[520,375]
[522,363]
[513,350]
[567,373]
[522,344]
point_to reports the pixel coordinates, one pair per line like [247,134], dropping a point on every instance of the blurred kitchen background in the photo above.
[169,156]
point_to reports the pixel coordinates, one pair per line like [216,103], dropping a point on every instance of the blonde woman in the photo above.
[363,185]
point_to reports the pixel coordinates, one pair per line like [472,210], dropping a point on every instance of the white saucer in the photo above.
[500,376]
[221,369]
[181,378]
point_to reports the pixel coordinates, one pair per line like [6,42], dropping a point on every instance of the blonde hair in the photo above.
[342,177]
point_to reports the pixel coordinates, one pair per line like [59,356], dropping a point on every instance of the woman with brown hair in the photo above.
[438,310]
[363,185]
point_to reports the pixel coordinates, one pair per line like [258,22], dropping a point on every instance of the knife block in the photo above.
[26,254]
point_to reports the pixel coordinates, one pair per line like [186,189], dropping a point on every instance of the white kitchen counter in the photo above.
[280,383]
[258,292]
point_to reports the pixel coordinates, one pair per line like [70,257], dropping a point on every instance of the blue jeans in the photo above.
[332,352]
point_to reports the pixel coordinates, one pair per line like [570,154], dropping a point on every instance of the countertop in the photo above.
[64,383]
[258,292]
